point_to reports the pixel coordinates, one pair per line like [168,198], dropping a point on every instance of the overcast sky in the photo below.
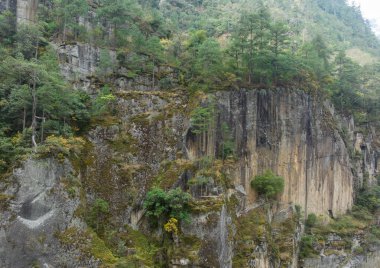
[371,11]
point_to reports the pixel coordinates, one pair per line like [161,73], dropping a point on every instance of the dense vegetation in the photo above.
[209,45]
[323,47]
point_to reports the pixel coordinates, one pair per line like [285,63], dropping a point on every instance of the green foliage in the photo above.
[268,184]
[102,104]
[97,215]
[362,213]
[201,118]
[163,205]
[28,39]
[227,145]
[208,65]
[32,88]
[11,150]
[7,27]
[68,12]
[105,66]
[369,198]
[311,220]
[61,147]
[307,246]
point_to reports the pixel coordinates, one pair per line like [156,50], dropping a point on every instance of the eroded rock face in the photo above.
[80,62]
[8,5]
[26,11]
[290,133]
[370,260]
[40,208]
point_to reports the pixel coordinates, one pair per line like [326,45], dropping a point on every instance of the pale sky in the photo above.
[371,11]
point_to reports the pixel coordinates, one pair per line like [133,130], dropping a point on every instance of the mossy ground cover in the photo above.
[134,248]
[171,171]
[336,235]
[250,232]
[206,205]
[253,230]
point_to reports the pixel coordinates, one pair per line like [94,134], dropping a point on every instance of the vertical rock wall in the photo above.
[38,209]
[8,5]
[290,133]
[26,11]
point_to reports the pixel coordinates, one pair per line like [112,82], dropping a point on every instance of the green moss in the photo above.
[188,247]
[89,244]
[85,158]
[307,246]
[71,184]
[206,205]
[125,142]
[105,120]
[141,119]
[4,200]
[345,225]
[67,237]
[250,232]
[281,239]
[171,171]
[100,251]
[253,229]
[145,247]
[331,252]
[136,94]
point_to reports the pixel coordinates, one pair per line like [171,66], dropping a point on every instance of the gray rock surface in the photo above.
[39,209]
[292,134]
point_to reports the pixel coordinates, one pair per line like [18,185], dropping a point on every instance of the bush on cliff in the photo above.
[268,184]
[163,205]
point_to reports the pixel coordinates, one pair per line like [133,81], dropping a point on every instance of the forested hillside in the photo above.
[210,45]
[181,123]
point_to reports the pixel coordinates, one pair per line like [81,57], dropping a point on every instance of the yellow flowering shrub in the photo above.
[171,226]
[61,147]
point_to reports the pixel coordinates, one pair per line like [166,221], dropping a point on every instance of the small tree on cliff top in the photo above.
[268,184]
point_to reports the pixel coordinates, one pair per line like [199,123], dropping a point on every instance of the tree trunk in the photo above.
[153,76]
[34,105]
[42,125]
[64,29]
[24,120]
[34,108]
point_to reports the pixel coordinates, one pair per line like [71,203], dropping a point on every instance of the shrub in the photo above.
[171,204]
[311,220]
[361,213]
[98,214]
[268,184]
[369,198]
[307,249]
[61,147]
[171,226]
[298,210]
[227,145]
[202,117]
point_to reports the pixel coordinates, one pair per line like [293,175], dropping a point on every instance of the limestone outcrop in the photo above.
[291,133]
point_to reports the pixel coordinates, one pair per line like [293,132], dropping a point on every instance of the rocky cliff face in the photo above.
[10,5]
[79,64]
[149,142]
[287,131]
[291,133]
[38,207]
[26,11]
